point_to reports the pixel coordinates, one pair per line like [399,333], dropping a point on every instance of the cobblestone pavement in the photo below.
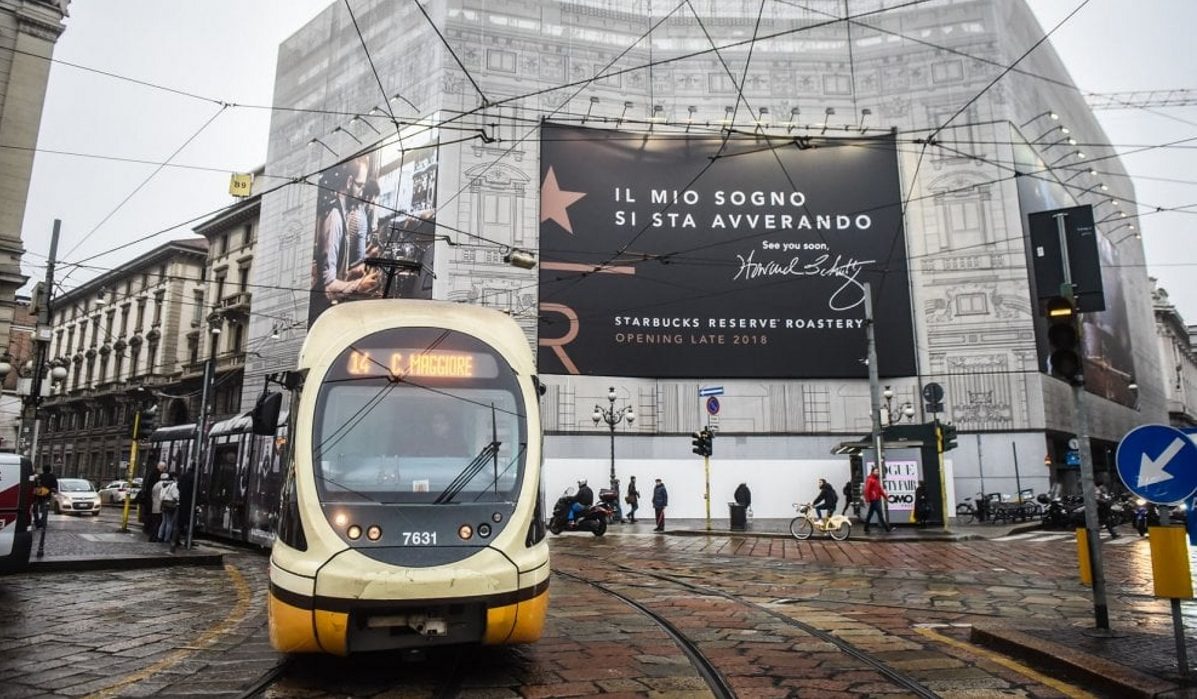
[200,630]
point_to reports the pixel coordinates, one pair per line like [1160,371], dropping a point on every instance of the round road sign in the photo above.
[713,405]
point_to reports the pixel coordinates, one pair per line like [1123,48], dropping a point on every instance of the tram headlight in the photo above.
[354,532]
[465,531]
[374,533]
[484,530]
[340,519]
[496,517]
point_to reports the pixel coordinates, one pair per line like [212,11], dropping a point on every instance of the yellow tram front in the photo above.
[410,516]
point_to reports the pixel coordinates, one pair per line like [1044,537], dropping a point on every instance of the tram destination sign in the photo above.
[683,255]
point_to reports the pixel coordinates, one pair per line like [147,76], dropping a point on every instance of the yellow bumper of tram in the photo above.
[316,616]
[297,630]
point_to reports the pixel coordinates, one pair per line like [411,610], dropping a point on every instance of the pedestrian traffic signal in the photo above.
[1064,340]
[701,442]
[947,437]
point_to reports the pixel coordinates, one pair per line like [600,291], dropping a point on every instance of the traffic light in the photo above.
[702,442]
[140,429]
[1064,340]
[948,435]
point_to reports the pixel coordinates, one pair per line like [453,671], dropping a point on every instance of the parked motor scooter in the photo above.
[591,519]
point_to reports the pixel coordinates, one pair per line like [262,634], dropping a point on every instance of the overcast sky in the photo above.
[226,50]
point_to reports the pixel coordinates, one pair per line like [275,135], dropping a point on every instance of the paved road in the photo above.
[200,630]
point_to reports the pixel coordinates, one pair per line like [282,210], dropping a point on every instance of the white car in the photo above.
[115,492]
[76,495]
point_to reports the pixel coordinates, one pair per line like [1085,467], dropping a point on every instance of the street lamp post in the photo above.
[613,417]
[888,416]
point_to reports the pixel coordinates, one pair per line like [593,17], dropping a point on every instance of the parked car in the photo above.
[115,492]
[135,490]
[76,495]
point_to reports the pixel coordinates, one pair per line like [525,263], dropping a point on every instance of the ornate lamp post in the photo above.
[31,397]
[888,415]
[613,417]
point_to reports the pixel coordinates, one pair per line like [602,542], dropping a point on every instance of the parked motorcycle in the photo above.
[1146,515]
[1055,514]
[591,519]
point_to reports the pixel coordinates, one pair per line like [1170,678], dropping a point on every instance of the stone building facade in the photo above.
[974,160]
[1178,360]
[28,32]
[124,338]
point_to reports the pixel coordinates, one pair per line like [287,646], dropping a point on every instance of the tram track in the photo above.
[891,674]
[710,674]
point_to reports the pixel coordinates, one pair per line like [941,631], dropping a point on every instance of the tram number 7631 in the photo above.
[419,538]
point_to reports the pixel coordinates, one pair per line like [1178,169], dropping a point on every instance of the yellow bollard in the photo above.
[1082,556]
[1170,562]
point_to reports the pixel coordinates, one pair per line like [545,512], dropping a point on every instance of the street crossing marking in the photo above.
[1041,537]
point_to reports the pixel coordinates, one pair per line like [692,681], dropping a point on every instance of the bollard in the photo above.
[1172,579]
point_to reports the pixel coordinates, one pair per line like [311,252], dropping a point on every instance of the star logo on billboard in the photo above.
[554,203]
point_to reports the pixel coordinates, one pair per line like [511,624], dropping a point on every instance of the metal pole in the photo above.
[132,468]
[42,342]
[1178,630]
[1017,478]
[197,458]
[1101,610]
[706,466]
[875,392]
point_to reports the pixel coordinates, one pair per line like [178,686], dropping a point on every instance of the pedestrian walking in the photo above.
[170,506]
[660,502]
[847,496]
[827,499]
[45,484]
[632,499]
[156,506]
[874,495]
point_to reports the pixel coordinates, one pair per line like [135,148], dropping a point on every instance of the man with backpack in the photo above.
[166,496]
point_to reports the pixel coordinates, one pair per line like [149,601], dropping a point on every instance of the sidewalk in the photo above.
[81,542]
[780,529]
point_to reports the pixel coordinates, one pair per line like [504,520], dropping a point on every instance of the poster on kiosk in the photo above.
[903,472]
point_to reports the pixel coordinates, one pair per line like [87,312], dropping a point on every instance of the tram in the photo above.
[411,512]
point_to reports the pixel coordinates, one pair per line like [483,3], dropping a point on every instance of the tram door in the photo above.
[264,482]
[226,487]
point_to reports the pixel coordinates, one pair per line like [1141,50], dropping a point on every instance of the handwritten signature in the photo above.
[848,295]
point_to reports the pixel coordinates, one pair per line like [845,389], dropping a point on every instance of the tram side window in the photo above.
[290,526]
[224,470]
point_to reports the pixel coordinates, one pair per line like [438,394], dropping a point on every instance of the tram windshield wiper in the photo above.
[489,451]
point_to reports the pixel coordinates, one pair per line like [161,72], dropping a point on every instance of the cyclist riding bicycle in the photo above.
[827,499]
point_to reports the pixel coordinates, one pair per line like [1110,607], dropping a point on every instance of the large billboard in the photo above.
[685,255]
[375,225]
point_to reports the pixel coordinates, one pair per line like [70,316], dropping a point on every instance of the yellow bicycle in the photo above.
[838,527]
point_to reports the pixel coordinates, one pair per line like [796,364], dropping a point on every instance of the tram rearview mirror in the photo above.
[265,413]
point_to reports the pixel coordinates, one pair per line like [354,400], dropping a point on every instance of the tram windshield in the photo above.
[419,416]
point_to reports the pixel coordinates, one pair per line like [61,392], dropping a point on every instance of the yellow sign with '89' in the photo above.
[241,184]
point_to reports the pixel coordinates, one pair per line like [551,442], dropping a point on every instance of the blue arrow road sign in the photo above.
[710,391]
[1158,463]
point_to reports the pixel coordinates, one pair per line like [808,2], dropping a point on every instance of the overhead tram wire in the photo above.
[445,42]
[143,183]
[981,59]
[1007,70]
[386,99]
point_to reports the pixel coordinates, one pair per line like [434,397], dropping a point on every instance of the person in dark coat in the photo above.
[847,497]
[743,496]
[827,499]
[632,499]
[922,507]
[44,487]
[660,502]
[183,511]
